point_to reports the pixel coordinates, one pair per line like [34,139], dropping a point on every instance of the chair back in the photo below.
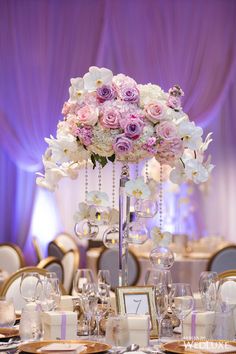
[11,287]
[67,241]
[56,249]
[11,257]
[70,263]
[37,249]
[52,264]
[231,273]
[222,260]
[109,259]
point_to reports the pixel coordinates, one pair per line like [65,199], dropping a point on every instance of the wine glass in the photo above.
[208,289]
[156,276]
[89,302]
[29,286]
[81,277]
[52,292]
[161,302]
[7,312]
[226,294]
[103,294]
[104,277]
[182,301]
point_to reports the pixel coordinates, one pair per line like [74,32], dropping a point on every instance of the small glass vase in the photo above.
[146,208]
[86,230]
[111,237]
[162,257]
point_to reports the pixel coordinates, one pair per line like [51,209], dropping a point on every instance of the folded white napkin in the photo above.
[63,347]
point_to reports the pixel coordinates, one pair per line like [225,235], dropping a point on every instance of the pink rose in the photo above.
[166,130]
[110,118]
[87,115]
[155,112]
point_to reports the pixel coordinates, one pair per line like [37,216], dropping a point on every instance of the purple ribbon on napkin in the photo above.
[193,323]
[63,325]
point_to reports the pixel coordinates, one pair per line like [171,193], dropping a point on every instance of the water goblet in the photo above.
[182,301]
[7,312]
[104,303]
[208,289]
[104,277]
[161,302]
[53,293]
[29,286]
[81,277]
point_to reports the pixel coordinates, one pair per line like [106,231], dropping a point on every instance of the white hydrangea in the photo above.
[151,93]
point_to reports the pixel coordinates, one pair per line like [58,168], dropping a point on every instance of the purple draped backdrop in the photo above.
[43,43]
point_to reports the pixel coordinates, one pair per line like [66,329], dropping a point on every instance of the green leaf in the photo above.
[93,159]
[112,158]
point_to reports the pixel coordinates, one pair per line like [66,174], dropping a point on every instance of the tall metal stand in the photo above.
[124,214]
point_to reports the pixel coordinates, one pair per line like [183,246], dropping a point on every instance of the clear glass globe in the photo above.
[146,208]
[138,233]
[162,257]
[86,230]
[111,237]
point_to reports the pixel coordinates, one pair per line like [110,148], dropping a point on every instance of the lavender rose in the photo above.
[122,145]
[129,94]
[174,103]
[166,130]
[133,127]
[85,135]
[106,93]
[110,118]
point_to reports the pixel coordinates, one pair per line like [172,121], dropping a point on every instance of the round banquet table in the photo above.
[184,270]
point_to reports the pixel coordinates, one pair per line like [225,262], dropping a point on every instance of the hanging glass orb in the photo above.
[162,257]
[138,233]
[86,230]
[146,208]
[99,214]
[111,237]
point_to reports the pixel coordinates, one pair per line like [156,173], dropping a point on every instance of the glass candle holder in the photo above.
[7,312]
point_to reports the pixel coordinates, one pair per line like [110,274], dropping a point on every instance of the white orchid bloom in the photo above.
[160,238]
[98,198]
[178,174]
[205,144]
[82,213]
[137,189]
[114,216]
[63,148]
[76,90]
[50,179]
[97,77]
[190,134]
[195,171]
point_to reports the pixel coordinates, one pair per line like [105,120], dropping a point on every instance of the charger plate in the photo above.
[200,347]
[91,347]
[6,333]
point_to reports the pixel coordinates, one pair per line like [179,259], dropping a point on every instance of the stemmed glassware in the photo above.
[82,276]
[104,277]
[103,294]
[89,302]
[208,289]
[182,301]
[161,302]
[29,285]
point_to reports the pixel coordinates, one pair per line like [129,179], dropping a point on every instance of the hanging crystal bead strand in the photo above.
[113,193]
[86,180]
[146,172]
[99,178]
[136,170]
[161,198]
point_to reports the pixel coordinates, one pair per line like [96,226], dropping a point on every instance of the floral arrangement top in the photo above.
[111,117]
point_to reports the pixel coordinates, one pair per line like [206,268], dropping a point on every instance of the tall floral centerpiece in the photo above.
[110,118]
